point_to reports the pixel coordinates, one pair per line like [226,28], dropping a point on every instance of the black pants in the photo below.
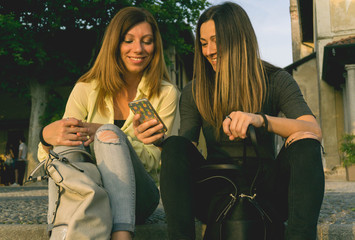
[292,188]
[20,166]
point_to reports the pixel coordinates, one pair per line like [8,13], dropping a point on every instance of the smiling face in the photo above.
[208,42]
[137,48]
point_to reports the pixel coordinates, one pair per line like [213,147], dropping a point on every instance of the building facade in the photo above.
[323,45]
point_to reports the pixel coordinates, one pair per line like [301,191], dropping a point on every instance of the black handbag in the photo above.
[234,212]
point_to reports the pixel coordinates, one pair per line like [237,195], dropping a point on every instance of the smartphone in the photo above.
[147,112]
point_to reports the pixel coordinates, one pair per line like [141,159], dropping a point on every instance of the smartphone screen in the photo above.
[147,112]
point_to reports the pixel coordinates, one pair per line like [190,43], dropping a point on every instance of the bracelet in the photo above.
[266,123]
[41,139]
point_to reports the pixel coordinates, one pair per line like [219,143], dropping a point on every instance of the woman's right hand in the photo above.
[235,125]
[67,132]
[147,132]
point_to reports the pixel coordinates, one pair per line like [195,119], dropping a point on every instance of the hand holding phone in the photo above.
[147,112]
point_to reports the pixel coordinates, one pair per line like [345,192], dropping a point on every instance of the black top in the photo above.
[119,123]
[283,96]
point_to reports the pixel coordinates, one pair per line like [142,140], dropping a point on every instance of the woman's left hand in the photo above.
[147,131]
[235,125]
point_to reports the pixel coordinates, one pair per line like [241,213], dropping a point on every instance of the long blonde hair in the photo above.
[239,82]
[108,68]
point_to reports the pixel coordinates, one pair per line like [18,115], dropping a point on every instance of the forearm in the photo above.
[286,126]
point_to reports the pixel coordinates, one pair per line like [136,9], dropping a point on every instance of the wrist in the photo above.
[160,141]
[265,125]
[41,139]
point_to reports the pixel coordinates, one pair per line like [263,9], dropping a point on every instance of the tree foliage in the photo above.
[54,42]
[174,18]
[50,41]
[347,147]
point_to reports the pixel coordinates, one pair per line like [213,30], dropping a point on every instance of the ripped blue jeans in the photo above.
[132,192]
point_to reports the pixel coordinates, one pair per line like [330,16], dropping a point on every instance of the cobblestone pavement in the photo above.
[338,204]
[23,205]
[28,205]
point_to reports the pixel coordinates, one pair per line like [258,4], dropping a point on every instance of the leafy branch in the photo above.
[348,148]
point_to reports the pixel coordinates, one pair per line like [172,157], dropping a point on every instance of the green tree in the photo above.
[46,44]
[347,147]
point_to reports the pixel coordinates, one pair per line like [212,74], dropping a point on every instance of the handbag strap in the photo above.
[61,157]
[31,178]
[233,196]
[251,133]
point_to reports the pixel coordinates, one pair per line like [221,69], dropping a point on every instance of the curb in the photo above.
[156,231]
[336,231]
[23,231]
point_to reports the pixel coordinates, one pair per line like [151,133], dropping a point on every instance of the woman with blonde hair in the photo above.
[232,89]
[129,66]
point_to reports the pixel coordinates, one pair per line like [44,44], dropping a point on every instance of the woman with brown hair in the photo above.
[232,89]
[129,66]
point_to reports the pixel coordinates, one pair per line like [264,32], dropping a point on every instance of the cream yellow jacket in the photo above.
[82,105]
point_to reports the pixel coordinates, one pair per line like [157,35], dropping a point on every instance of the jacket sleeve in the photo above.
[77,103]
[76,107]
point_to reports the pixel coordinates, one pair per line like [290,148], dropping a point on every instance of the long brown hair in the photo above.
[239,82]
[108,68]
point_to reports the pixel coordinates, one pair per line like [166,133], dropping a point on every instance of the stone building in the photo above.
[323,46]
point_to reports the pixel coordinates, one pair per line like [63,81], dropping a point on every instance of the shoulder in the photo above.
[278,74]
[281,79]
[166,85]
[189,85]
[85,86]
[187,90]
[84,89]
[168,88]
[187,98]
[275,74]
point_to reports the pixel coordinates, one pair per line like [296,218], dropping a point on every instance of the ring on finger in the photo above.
[228,117]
